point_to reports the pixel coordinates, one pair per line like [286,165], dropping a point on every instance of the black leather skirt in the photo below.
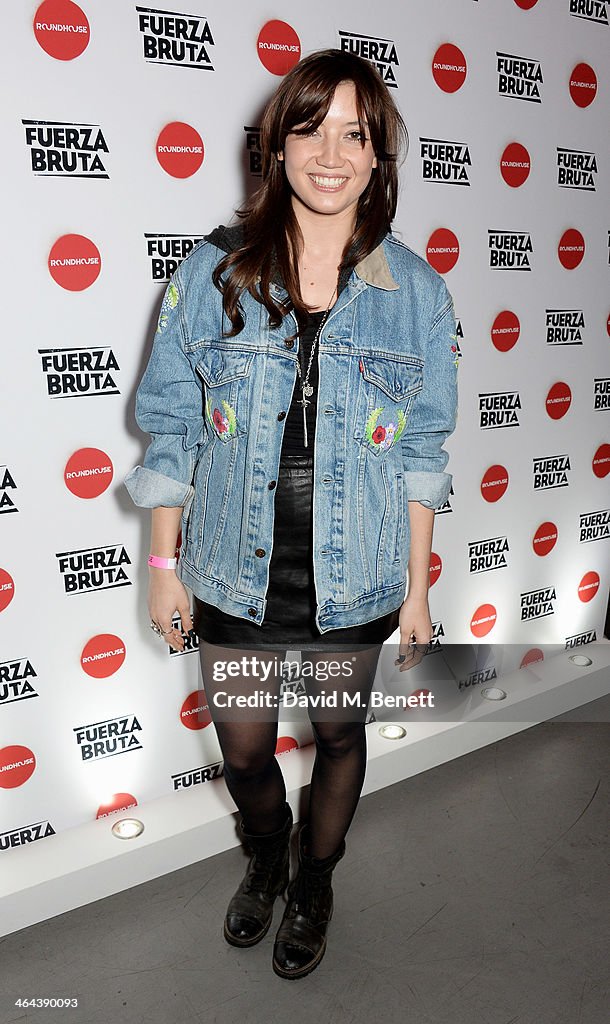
[289,621]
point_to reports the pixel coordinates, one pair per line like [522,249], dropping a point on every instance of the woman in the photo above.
[301,385]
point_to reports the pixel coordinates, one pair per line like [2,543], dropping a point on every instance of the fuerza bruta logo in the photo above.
[25,834]
[108,738]
[60,149]
[591,10]
[196,776]
[445,162]
[551,472]
[487,555]
[179,39]
[564,326]
[253,150]
[499,409]
[166,253]
[537,604]
[519,78]
[79,372]
[8,488]
[379,52]
[510,250]
[15,682]
[94,569]
[576,169]
[594,526]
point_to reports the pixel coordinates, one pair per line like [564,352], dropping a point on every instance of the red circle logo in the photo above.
[494,483]
[61,29]
[558,400]
[571,248]
[449,67]
[74,262]
[285,744]
[608,325]
[88,473]
[278,47]
[531,657]
[117,802]
[7,589]
[601,461]
[180,149]
[436,567]
[588,586]
[515,164]
[526,5]
[195,711]
[583,85]
[483,620]
[505,331]
[443,250]
[102,655]
[17,765]
[545,539]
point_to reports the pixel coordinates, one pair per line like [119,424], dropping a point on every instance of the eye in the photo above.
[357,136]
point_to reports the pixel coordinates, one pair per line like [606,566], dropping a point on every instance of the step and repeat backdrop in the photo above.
[129,132]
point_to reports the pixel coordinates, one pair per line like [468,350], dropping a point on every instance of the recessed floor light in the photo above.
[392,732]
[581,660]
[493,693]
[127,828]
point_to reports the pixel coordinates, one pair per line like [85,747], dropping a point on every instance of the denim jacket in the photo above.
[215,409]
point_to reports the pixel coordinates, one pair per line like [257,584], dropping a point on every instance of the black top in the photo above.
[293,441]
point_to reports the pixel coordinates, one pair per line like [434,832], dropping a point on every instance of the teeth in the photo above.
[327,182]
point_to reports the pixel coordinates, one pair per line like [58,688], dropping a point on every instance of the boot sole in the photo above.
[294,975]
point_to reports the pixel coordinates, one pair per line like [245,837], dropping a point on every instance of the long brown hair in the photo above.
[272,237]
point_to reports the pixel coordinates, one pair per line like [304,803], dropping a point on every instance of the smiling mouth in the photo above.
[326,182]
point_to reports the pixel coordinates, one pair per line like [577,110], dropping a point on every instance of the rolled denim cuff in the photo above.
[430,489]
[150,489]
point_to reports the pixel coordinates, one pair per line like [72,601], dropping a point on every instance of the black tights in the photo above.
[248,740]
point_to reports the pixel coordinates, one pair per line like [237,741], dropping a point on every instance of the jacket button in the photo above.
[260,552]
[253,612]
[289,342]
[281,415]
[271,484]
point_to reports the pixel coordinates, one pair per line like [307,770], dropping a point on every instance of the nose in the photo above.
[330,153]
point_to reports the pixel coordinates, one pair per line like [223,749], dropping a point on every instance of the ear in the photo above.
[374,161]
[280,155]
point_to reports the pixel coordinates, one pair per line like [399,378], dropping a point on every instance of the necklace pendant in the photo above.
[307,390]
[305,426]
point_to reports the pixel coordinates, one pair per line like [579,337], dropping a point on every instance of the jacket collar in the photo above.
[374,270]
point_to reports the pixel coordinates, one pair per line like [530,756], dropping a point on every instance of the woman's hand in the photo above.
[166,596]
[415,623]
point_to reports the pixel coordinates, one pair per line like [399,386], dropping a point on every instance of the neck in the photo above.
[324,237]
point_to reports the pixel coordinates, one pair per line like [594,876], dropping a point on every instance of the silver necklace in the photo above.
[306,388]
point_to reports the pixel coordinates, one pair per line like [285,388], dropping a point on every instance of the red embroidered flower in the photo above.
[454,348]
[378,434]
[219,421]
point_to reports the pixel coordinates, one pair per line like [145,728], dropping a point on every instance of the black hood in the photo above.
[227,239]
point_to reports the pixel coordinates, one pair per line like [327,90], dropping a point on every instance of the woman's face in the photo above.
[329,169]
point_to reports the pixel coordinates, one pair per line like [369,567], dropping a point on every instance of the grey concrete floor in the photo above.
[474,893]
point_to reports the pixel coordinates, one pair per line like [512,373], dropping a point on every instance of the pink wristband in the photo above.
[161,563]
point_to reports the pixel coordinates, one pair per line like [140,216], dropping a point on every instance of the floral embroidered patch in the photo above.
[170,301]
[223,425]
[456,358]
[384,436]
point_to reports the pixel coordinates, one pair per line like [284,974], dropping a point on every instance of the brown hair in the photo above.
[272,237]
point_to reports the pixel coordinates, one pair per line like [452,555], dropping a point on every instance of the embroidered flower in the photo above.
[222,424]
[378,434]
[384,436]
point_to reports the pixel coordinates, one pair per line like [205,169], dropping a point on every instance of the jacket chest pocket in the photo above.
[226,375]
[387,390]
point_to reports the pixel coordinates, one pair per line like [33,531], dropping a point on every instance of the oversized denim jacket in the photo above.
[215,408]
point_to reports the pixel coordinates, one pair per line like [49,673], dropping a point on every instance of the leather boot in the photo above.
[250,909]
[300,942]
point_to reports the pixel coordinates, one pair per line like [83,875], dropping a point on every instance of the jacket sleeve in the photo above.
[169,406]
[434,414]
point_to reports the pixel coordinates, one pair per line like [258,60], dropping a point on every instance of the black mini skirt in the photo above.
[289,621]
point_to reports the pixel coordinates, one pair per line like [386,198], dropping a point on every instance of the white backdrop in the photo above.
[520,552]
